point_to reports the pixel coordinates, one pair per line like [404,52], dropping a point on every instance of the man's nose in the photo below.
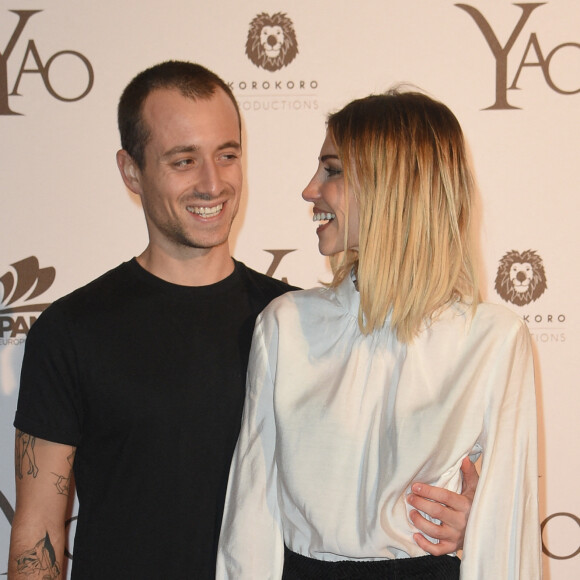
[209,178]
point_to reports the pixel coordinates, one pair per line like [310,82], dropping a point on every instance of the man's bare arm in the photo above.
[43,473]
[450,508]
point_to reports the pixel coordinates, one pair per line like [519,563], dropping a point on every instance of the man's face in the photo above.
[191,182]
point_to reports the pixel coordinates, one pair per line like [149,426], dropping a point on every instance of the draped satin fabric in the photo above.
[338,425]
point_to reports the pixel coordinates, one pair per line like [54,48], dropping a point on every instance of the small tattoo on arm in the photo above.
[63,483]
[25,450]
[40,560]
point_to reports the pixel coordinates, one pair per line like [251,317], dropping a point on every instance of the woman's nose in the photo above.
[310,192]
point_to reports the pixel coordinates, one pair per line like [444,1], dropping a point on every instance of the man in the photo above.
[137,379]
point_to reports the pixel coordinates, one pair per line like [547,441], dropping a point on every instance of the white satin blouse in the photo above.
[338,425]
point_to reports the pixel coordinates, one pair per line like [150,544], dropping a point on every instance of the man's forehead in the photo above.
[168,109]
[176,122]
[164,100]
[158,98]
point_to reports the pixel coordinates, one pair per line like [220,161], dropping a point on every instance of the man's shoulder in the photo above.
[262,287]
[96,291]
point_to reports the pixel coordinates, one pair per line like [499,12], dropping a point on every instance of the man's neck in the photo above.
[193,268]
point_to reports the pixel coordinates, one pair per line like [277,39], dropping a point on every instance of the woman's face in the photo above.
[326,191]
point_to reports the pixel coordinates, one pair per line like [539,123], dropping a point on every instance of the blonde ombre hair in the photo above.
[404,156]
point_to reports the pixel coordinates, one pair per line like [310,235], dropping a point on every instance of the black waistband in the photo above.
[297,567]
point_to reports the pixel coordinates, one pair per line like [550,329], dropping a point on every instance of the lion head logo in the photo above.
[271,41]
[520,277]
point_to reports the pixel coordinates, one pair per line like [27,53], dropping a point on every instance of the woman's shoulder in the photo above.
[498,315]
[487,321]
[498,324]
[299,300]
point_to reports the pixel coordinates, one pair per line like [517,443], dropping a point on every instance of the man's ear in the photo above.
[130,172]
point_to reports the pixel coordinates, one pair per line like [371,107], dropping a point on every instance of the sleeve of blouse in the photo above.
[502,539]
[251,545]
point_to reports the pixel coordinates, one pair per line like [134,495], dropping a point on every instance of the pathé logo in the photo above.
[501,53]
[43,69]
[26,283]
[521,277]
[271,42]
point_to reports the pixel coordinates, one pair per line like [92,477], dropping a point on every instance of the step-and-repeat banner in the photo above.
[510,72]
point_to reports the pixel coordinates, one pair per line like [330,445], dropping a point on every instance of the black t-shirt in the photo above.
[147,380]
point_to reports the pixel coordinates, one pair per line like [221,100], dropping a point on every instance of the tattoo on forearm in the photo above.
[25,450]
[63,483]
[40,561]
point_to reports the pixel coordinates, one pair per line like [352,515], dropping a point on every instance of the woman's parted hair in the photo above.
[404,155]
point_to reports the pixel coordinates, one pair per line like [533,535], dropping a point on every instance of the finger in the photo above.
[440,532]
[470,478]
[453,522]
[434,549]
[442,496]
[438,503]
[438,494]
[433,509]
[447,539]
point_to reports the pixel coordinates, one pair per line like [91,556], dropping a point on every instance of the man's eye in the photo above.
[183,163]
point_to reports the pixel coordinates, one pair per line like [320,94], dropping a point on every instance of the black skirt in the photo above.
[297,567]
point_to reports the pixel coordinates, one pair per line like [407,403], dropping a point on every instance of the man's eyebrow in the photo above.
[177,150]
[324,158]
[180,149]
[230,145]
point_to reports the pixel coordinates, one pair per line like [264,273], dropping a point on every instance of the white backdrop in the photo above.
[510,72]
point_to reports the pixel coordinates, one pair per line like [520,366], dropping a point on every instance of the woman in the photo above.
[394,373]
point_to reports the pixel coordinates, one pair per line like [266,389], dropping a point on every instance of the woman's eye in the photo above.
[332,171]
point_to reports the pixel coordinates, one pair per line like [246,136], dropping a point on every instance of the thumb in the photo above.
[470,478]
